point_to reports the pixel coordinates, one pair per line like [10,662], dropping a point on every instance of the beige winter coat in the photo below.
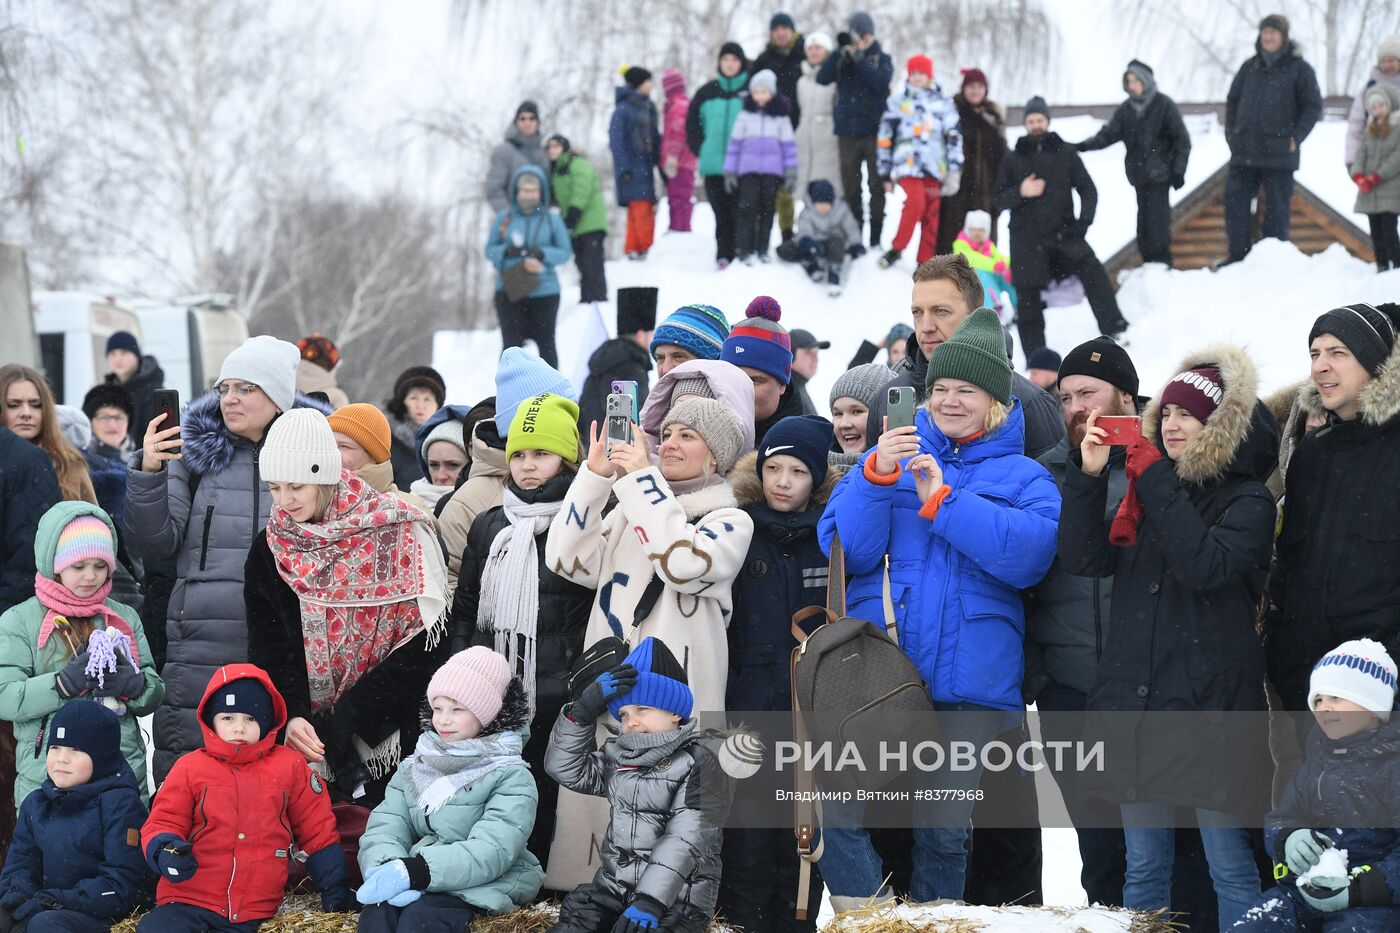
[380,477]
[484,489]
[695,544]
[312,378]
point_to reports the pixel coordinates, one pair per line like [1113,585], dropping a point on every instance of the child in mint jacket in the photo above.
[448,841]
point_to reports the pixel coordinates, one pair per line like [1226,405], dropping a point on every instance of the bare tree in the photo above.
[377,275]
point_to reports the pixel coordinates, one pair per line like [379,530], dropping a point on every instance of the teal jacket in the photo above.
[711,119]
[541,233]
[28,674]
[474,846]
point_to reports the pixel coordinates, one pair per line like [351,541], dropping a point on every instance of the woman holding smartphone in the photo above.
[966,522]
[1188,551]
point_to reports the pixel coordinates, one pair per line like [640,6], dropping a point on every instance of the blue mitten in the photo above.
[386,881]
[175,861]
[39,903]
[404,899]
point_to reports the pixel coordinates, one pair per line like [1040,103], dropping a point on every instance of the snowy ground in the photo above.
[1267,303]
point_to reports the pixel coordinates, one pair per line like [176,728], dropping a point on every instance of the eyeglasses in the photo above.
[239,389]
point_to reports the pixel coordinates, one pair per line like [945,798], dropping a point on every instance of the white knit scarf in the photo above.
[439,769]
[510,585]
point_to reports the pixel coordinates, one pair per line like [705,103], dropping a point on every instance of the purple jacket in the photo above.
[762,142]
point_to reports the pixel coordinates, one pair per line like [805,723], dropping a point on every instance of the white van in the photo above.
[21,345]
[189,337]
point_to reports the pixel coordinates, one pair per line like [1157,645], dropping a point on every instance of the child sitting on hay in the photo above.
[74,864]
[222,826]
[449,838]
[661,855]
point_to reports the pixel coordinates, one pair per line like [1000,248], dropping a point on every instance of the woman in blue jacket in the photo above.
[966,522]
[528,241]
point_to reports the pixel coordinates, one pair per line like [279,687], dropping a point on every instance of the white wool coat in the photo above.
[695,543]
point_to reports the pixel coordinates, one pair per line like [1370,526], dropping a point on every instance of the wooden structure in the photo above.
[1198,228]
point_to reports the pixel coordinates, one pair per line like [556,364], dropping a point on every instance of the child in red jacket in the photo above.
[221,829]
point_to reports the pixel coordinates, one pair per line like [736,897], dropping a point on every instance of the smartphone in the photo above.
[627,387]
[618,425]
[167,402]
[899,409]
[1122,429]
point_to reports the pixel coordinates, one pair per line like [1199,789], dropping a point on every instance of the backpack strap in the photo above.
[804,802]
[836,577]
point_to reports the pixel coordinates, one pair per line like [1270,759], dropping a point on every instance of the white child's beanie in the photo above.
[1360,671]
[300,448]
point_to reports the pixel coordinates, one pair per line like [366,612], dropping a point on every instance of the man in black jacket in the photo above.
[623,358]
[1149,125]
[1337,575]
[946,291]
[1273,104]
[1036,184]
[139,375]
[784,57]
[862,72]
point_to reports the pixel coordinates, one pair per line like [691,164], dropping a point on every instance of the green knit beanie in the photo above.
[976,353]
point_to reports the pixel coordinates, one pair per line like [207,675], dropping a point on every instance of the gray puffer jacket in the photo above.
[668,807]
[203,510]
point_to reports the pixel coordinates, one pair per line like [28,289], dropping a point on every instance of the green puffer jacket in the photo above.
[28,673]
[474,845]
[711,119]
[576,185]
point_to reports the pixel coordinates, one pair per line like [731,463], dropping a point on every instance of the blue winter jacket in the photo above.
[956,580]
[862,82]
[515,234]
[634,136]
[1342,788]
[80,849]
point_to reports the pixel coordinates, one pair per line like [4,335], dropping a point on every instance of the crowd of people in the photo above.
[804,119]
[440,658]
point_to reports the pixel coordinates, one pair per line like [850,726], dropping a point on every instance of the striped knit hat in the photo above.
[701,329]
[760,342]
[84,538]
[1361,671]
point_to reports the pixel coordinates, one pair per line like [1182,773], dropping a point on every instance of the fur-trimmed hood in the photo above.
[748,486]
[1240,438]
[208,443]
[513,717]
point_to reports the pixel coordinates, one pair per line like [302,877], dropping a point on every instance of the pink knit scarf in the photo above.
[59,600]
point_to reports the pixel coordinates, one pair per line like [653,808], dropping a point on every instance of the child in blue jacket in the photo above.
[1345,798]
[75,864]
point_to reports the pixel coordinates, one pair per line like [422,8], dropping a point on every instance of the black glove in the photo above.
[175,861]
[125,682]
[609,686]
[1178,182]
[843,39]
[73,679]
[37,904]
[572,217]
[856,251]
[644,913]
[535,254]
[514,252]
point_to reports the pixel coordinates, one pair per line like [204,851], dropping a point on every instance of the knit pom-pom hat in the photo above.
[760,342]
[661,681]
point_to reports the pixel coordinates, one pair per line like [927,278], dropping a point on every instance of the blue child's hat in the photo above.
[661,681]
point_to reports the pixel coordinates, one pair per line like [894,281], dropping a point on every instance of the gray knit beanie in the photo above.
[450,431]
[862,383]
[268,363]
[692,385]
[714,422]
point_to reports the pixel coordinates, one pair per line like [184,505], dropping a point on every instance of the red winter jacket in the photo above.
[241,806]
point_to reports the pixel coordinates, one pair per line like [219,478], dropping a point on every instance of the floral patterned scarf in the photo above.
[368,578]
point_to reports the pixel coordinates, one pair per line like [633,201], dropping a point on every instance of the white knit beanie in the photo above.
[268,363]
[978,220]
[449,430]
[300,448]
[1361,671]
[1389,47]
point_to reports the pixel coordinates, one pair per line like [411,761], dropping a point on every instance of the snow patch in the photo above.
[1330,865]
[991,919]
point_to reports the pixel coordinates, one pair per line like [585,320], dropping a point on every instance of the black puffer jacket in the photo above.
[1038,224]
[1338,573]
[1157,143]
[382,702]
[1182,636]
[619,359]
[1270,106]
[785,571]
[28,489]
